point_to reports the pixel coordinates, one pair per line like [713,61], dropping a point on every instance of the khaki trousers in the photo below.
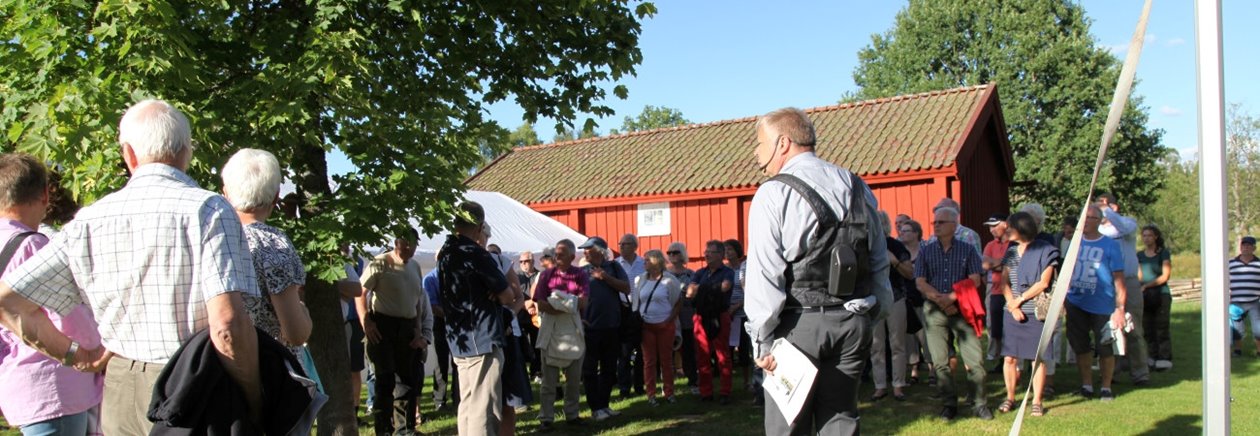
[128,391]
[480,393]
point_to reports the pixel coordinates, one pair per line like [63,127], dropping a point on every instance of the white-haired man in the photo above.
[157,261]
[794,225]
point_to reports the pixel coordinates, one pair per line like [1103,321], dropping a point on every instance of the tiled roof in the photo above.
[889,135]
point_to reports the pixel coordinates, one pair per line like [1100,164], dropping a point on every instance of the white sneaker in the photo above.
[611,412]
[601,415]
[1163,365]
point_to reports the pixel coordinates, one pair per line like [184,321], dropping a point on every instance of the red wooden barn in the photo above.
[694,183]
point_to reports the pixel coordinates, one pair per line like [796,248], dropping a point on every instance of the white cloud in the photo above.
[1169,111]
[1121,49]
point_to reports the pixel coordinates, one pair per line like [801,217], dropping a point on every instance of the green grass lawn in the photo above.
[1186,266]
[1170,405]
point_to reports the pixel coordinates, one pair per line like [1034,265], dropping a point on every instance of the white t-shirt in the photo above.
[661,306]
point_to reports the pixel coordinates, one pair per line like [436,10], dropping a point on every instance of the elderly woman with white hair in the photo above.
[251,182]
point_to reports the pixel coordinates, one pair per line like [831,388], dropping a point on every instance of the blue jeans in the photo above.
[76,424]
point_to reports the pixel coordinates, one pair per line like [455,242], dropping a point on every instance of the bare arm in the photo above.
[1117,317]
[295,320]
[29,321]
[236,342]
[349,289]
[979,280]
[518,301]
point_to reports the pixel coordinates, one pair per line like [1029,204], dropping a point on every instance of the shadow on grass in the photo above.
[1177,425]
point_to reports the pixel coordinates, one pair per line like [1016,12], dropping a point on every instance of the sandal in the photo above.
[1037,410]
[1006,406]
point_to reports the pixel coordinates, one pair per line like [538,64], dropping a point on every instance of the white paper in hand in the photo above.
[792,380]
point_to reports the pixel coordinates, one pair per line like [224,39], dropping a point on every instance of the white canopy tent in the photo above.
[514,228]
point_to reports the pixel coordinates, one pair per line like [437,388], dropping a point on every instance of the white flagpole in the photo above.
[1216,354]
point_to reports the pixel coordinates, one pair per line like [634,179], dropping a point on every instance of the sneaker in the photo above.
[671,400]
[1106,395]
[983,412]
[652,402]
[1163,365]
[611,412]
[601,415]
[948,413]
[1142,382]
[1086,393]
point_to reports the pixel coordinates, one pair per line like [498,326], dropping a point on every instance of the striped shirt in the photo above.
[146,259]
[1244,280]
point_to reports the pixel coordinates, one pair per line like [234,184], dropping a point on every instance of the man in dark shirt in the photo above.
[712,322]
[473,290]
[602,319]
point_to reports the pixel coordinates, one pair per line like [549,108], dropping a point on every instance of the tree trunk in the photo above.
[328,347]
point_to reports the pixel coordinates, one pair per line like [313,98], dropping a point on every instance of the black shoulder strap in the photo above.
[11,247]
[826,216]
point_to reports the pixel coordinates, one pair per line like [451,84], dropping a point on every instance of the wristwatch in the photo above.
[68,360]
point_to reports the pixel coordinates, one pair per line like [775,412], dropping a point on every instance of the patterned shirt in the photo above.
[278,267]
[943,268]
[469,282]
[146,259]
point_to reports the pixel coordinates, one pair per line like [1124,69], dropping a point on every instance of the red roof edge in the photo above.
[989,87]
[987,108]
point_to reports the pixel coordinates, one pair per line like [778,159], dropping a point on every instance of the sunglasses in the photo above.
[671,253]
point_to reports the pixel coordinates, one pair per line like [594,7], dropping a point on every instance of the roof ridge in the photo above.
[811,110]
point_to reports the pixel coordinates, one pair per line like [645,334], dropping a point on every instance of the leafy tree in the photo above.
[524,136]
[569,134]
[652,117]
[399,87]
[1176,208]
[1055,85]
[1242,148]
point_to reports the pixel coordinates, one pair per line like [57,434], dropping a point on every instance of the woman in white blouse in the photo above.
[657,297]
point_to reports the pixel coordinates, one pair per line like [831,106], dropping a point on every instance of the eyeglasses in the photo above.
[623,244]
[941,223]
[671,253]
[527,260]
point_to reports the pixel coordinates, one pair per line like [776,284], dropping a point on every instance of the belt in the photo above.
[814,309]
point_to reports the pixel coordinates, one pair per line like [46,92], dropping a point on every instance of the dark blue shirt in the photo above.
[603,303]
[469,282]
[901,286]
[705,276]
[943,268]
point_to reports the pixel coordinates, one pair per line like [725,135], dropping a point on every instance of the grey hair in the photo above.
[156,131]
[681,248]
[251,179]
[946,202]
[953,213]
[1038,213]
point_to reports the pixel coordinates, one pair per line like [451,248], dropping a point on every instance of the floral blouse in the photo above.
[278,267]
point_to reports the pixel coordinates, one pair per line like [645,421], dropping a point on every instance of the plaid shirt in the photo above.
[146,259]
[943,268]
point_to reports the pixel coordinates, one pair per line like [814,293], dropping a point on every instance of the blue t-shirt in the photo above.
[430,284]
[603,303]
[1093,288]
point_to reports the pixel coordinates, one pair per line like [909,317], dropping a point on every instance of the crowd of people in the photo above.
[101,314]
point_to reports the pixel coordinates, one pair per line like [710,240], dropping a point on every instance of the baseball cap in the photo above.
[1249,240]
[595,241]
[995,219]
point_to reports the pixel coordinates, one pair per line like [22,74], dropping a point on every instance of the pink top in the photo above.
[34,387]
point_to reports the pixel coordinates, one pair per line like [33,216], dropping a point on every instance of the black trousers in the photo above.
[599,366]
[1157,307]
[838,341]
[393,356]
[630,368]
[447,378]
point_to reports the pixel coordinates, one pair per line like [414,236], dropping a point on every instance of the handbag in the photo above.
[632,321]
[1042,303]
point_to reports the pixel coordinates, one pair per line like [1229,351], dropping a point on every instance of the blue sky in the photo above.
[721,60]
[730,59]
